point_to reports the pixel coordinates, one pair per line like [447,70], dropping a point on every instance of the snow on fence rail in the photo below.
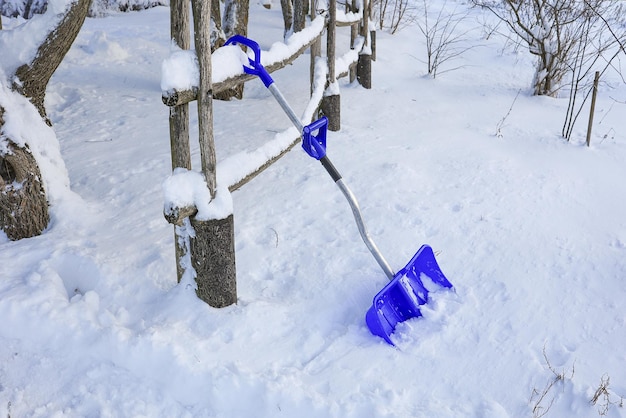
[280,55]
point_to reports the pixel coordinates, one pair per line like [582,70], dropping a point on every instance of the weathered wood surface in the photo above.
[179,116]
[202,39]
[235,23]
[364,70]
[364,64]
[23,205]
[176,215]
[213,258]
[331,103]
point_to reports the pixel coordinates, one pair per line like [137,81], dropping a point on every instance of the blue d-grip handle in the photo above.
[256,68]
[315,145]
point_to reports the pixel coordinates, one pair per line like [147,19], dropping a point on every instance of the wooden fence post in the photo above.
[316,50]
[593,106]
[212,248]
[179,117]
[353,33]
[331,103]
[364,64]
[299,15]
[213,258]
[373,44]
[372,32]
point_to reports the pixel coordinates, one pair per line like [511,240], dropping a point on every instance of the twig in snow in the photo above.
[504,118]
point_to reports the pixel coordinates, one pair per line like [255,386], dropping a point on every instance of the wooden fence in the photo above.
[210,248]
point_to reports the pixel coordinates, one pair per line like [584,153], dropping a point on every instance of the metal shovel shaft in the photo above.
[330,168]
[285,105]
[371,245]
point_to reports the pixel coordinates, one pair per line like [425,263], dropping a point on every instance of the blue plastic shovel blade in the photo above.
[401,298]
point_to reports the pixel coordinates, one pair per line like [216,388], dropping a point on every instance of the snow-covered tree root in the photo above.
[23,205]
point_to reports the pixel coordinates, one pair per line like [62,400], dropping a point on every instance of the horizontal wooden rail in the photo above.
[348,19]
[179,97]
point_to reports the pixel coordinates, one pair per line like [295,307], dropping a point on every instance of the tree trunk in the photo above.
[546,80]
[23,202]
[23,205]
[33,77]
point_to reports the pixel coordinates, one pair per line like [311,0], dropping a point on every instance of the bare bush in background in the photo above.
[445,39]
[560,33]
[600,45]
[393,15]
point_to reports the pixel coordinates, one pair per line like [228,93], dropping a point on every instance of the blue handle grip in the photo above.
[256,68]
[315,145]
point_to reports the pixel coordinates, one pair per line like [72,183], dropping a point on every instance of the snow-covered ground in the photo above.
[529,228]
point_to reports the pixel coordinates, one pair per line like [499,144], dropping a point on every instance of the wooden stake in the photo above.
[364,64]
[331,104]
[202,37]
[373,44]
[364,70]
[213,258]
[353,34]
[593,106]
[213,247]
[179,115]
[316,50]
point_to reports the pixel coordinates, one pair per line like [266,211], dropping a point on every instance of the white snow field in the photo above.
[529,228]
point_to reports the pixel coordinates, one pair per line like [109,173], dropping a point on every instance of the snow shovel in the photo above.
[408,289]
